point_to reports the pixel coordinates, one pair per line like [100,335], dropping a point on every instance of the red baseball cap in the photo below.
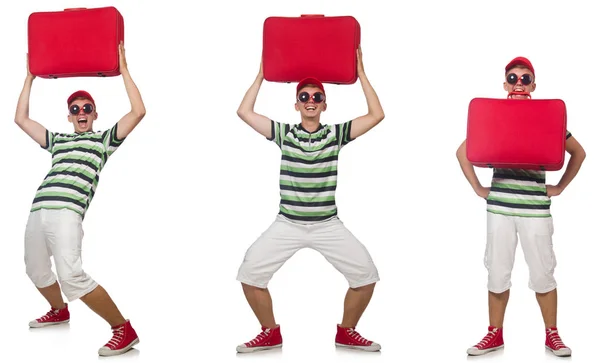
[310,80]
[520,61]
[82,94]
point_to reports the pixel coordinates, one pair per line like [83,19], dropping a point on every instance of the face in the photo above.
[82,114]
[310,109]
[520,75]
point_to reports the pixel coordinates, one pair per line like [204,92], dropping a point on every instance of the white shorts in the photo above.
[58,233]
[284,238]
[535,235]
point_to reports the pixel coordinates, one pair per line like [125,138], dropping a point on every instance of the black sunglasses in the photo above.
[317,97]
[87,109]
[526,79]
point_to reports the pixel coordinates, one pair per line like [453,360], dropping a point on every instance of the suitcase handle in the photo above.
[312,16]
[519,93]
[73,9]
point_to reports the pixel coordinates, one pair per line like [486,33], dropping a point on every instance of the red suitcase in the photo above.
[75,42]
[311,46]
[517,134]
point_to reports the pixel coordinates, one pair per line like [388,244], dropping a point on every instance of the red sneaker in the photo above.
[53,317]
[492,341]
[349,338]
[124,338]
[267,339]
[555,344]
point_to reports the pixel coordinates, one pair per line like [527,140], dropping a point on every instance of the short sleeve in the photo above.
[49,141]
[568,135]
[342,133]
[278,132]
[110,140]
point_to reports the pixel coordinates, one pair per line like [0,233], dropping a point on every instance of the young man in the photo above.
[518,202]
[308,214]
[54,227]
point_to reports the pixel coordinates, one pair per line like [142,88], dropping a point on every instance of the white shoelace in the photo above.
[118,335]
[555,339]
[354,334]
[49,315]
[259,338]
[486,339]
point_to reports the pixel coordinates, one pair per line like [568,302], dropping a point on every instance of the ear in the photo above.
[505,86]
[296,106]
[324,106]
[95,115]
[533,86]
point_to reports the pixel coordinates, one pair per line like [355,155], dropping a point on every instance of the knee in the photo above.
[254,277]
[73,276]
[545,293]
[365,288]
[500,295]
[74,279]
[248,287]
[364,280]
[541,272]
[76,283]
[498,281]
[542,283]
[40,277]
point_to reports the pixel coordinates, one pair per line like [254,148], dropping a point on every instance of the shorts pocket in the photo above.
[546,251]
[487,256]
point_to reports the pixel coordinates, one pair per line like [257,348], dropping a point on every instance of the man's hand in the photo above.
[29,75]
[122,60]
[483,192]
[359,62]
[553,190]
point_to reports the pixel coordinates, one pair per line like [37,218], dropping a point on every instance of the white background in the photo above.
[192,187]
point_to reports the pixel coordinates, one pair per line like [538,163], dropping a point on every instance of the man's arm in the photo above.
[469,171]
[128,122]
[375,114]
[36,131]
[574,148]
[258,122]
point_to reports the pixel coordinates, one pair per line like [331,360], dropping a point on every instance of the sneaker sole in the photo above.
[366,348]
[35,324]
[558,353]
[110,353]
[476,352]
[256,349]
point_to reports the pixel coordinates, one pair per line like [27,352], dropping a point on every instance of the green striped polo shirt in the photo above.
[308,173]
[519,192]
[77,160]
